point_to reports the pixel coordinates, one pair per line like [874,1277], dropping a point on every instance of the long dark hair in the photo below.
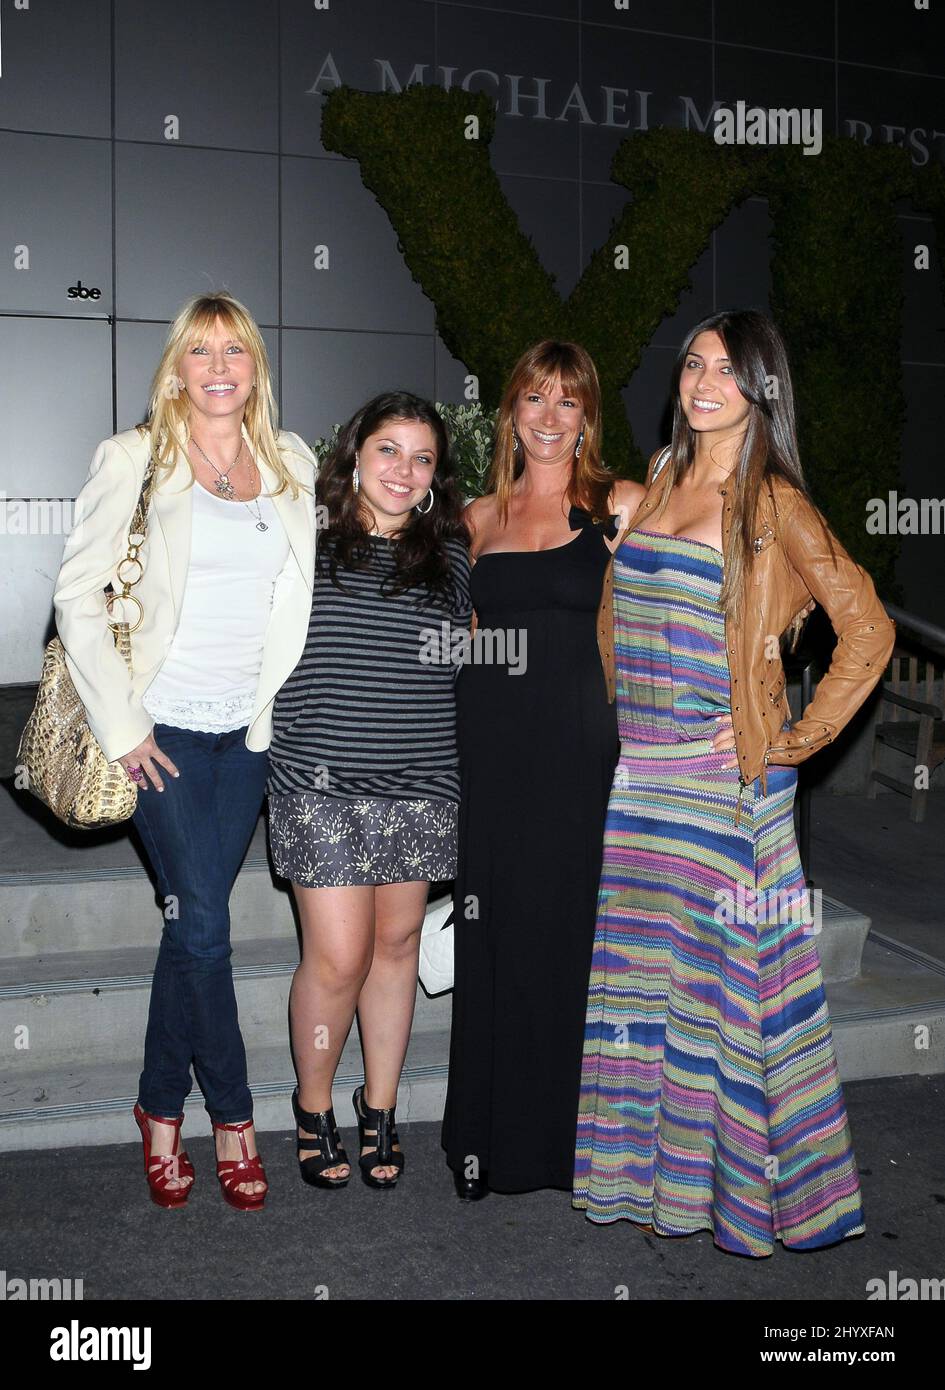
[759,363]
[421,558]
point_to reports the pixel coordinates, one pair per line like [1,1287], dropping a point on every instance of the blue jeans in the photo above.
[195,834]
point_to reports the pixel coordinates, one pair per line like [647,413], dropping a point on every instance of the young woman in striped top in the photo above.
[364,779]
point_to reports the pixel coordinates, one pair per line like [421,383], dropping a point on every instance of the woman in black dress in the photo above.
[538,745]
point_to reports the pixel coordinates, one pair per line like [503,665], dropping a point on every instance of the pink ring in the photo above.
[134,773]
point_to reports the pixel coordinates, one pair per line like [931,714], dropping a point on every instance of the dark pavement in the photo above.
[86,1214]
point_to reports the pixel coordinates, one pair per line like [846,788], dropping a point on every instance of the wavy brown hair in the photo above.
[590,483]
[421,558]
[759,363]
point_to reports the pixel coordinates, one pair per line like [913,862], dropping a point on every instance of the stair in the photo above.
[80,923]
[80,930]
[79,1024]
[890,1019]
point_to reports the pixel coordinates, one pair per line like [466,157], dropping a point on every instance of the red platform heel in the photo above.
[233,1171]
[160,1169]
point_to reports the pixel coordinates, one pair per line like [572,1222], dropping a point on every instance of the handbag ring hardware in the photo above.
[124,598]
[130,559]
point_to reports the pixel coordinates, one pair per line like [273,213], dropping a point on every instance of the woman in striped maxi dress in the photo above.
[710,1097]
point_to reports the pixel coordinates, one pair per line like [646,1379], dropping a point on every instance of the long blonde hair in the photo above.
[590,482]
[168,418]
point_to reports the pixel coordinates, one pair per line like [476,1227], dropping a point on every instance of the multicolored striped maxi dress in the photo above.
[710,1098]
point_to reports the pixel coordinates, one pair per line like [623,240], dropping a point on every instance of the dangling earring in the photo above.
[577,448]
[423,510]
[514,442]
[356,475]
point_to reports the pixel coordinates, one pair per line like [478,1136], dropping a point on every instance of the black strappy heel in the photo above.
[327,1146]
[382,1124]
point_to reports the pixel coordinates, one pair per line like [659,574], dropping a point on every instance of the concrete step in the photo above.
[102,899]
[888,1022]
[65,891]
[101,908]
[841,939]
[94,1005]
[83,1104]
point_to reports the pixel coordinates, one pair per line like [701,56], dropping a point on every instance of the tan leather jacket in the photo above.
[792,564]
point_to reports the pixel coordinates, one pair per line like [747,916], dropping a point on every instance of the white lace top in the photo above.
[209,679]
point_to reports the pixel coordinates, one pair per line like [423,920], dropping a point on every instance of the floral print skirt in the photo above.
[321,841]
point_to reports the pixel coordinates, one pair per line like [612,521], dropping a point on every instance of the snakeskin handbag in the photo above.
[59,758]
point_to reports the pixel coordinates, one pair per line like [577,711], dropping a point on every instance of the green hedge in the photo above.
[836,270]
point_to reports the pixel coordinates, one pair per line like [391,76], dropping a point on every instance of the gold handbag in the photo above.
[61,758]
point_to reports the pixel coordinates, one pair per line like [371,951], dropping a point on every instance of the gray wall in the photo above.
[97,193]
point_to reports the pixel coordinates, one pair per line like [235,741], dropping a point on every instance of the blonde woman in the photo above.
[225,592]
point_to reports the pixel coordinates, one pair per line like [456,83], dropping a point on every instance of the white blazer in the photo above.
[99,541]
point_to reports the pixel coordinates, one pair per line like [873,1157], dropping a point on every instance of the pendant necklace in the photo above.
[260,524]
[222,484]
[226,489]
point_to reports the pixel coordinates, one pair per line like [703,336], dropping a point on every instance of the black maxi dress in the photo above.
[537,755]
